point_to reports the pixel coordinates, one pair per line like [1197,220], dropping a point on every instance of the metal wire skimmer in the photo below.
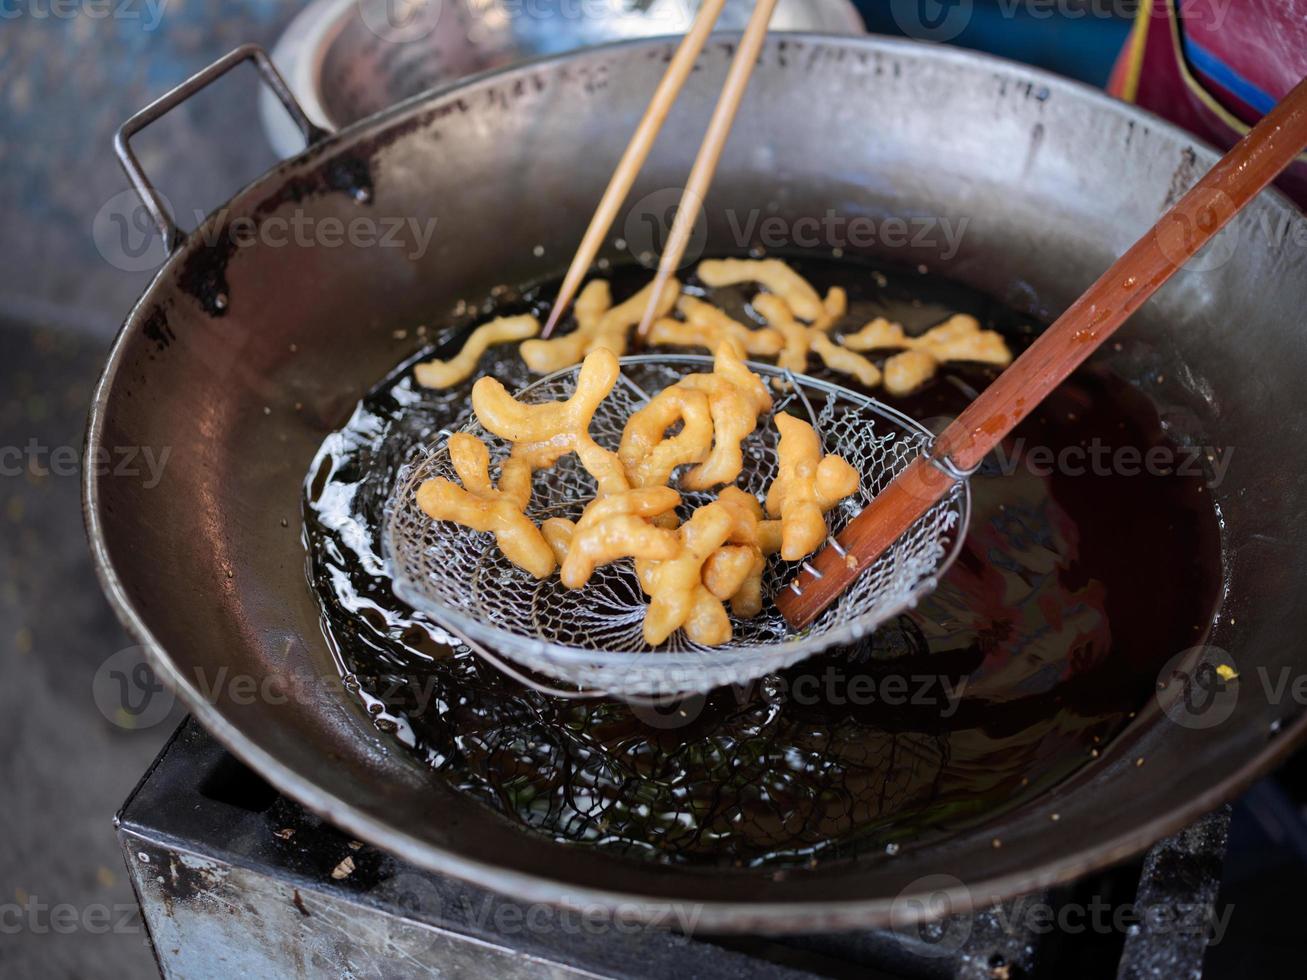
[591,637]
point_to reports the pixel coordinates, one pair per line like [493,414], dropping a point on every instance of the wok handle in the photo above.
[141,183]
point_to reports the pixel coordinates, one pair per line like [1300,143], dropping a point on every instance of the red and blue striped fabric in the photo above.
[1216,66]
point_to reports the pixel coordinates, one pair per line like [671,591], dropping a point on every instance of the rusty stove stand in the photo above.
[234,879]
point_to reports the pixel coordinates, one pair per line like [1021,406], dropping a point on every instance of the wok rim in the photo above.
[713,915]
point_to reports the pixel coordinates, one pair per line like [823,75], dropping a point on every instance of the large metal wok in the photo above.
[240,359]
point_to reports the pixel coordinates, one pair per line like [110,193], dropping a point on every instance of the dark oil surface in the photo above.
[1071,591]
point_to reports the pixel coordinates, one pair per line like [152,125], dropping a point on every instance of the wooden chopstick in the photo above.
[1227,188]
[710,152]
[637,151]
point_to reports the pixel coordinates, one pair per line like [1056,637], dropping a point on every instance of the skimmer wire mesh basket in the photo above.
[591,637]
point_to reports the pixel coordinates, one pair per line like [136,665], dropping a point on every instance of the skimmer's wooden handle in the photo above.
[1208,206]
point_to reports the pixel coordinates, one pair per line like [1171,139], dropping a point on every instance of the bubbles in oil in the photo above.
[1037,646]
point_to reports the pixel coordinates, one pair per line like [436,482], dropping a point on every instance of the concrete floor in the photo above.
[66,83]
[65,766]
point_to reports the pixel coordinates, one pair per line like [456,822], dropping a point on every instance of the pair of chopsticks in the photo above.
[637,151]
[1236,179]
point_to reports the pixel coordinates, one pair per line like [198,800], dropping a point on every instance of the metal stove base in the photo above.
[234,879]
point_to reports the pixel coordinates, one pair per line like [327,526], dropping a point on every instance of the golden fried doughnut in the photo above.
[726,569]
[556,353]
[615,325]
[707,624]
[732,421]
[959,338]
[736,396]
[710,318]
[729,366]
[806,486]
[833,309]
[745,513]
[479,505]
[843,360]
[775,275]
[558,533]
[678,597]
[734,573]
[646,450]
[620,536]
[800,340]
[780,317]
[502,330]
[666,332]
[544,433]
[748,526]
[557,423]
[908,370]
[647,502]
[598,325]
[707,326]
[614,526]
[879,334]
[832,355]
